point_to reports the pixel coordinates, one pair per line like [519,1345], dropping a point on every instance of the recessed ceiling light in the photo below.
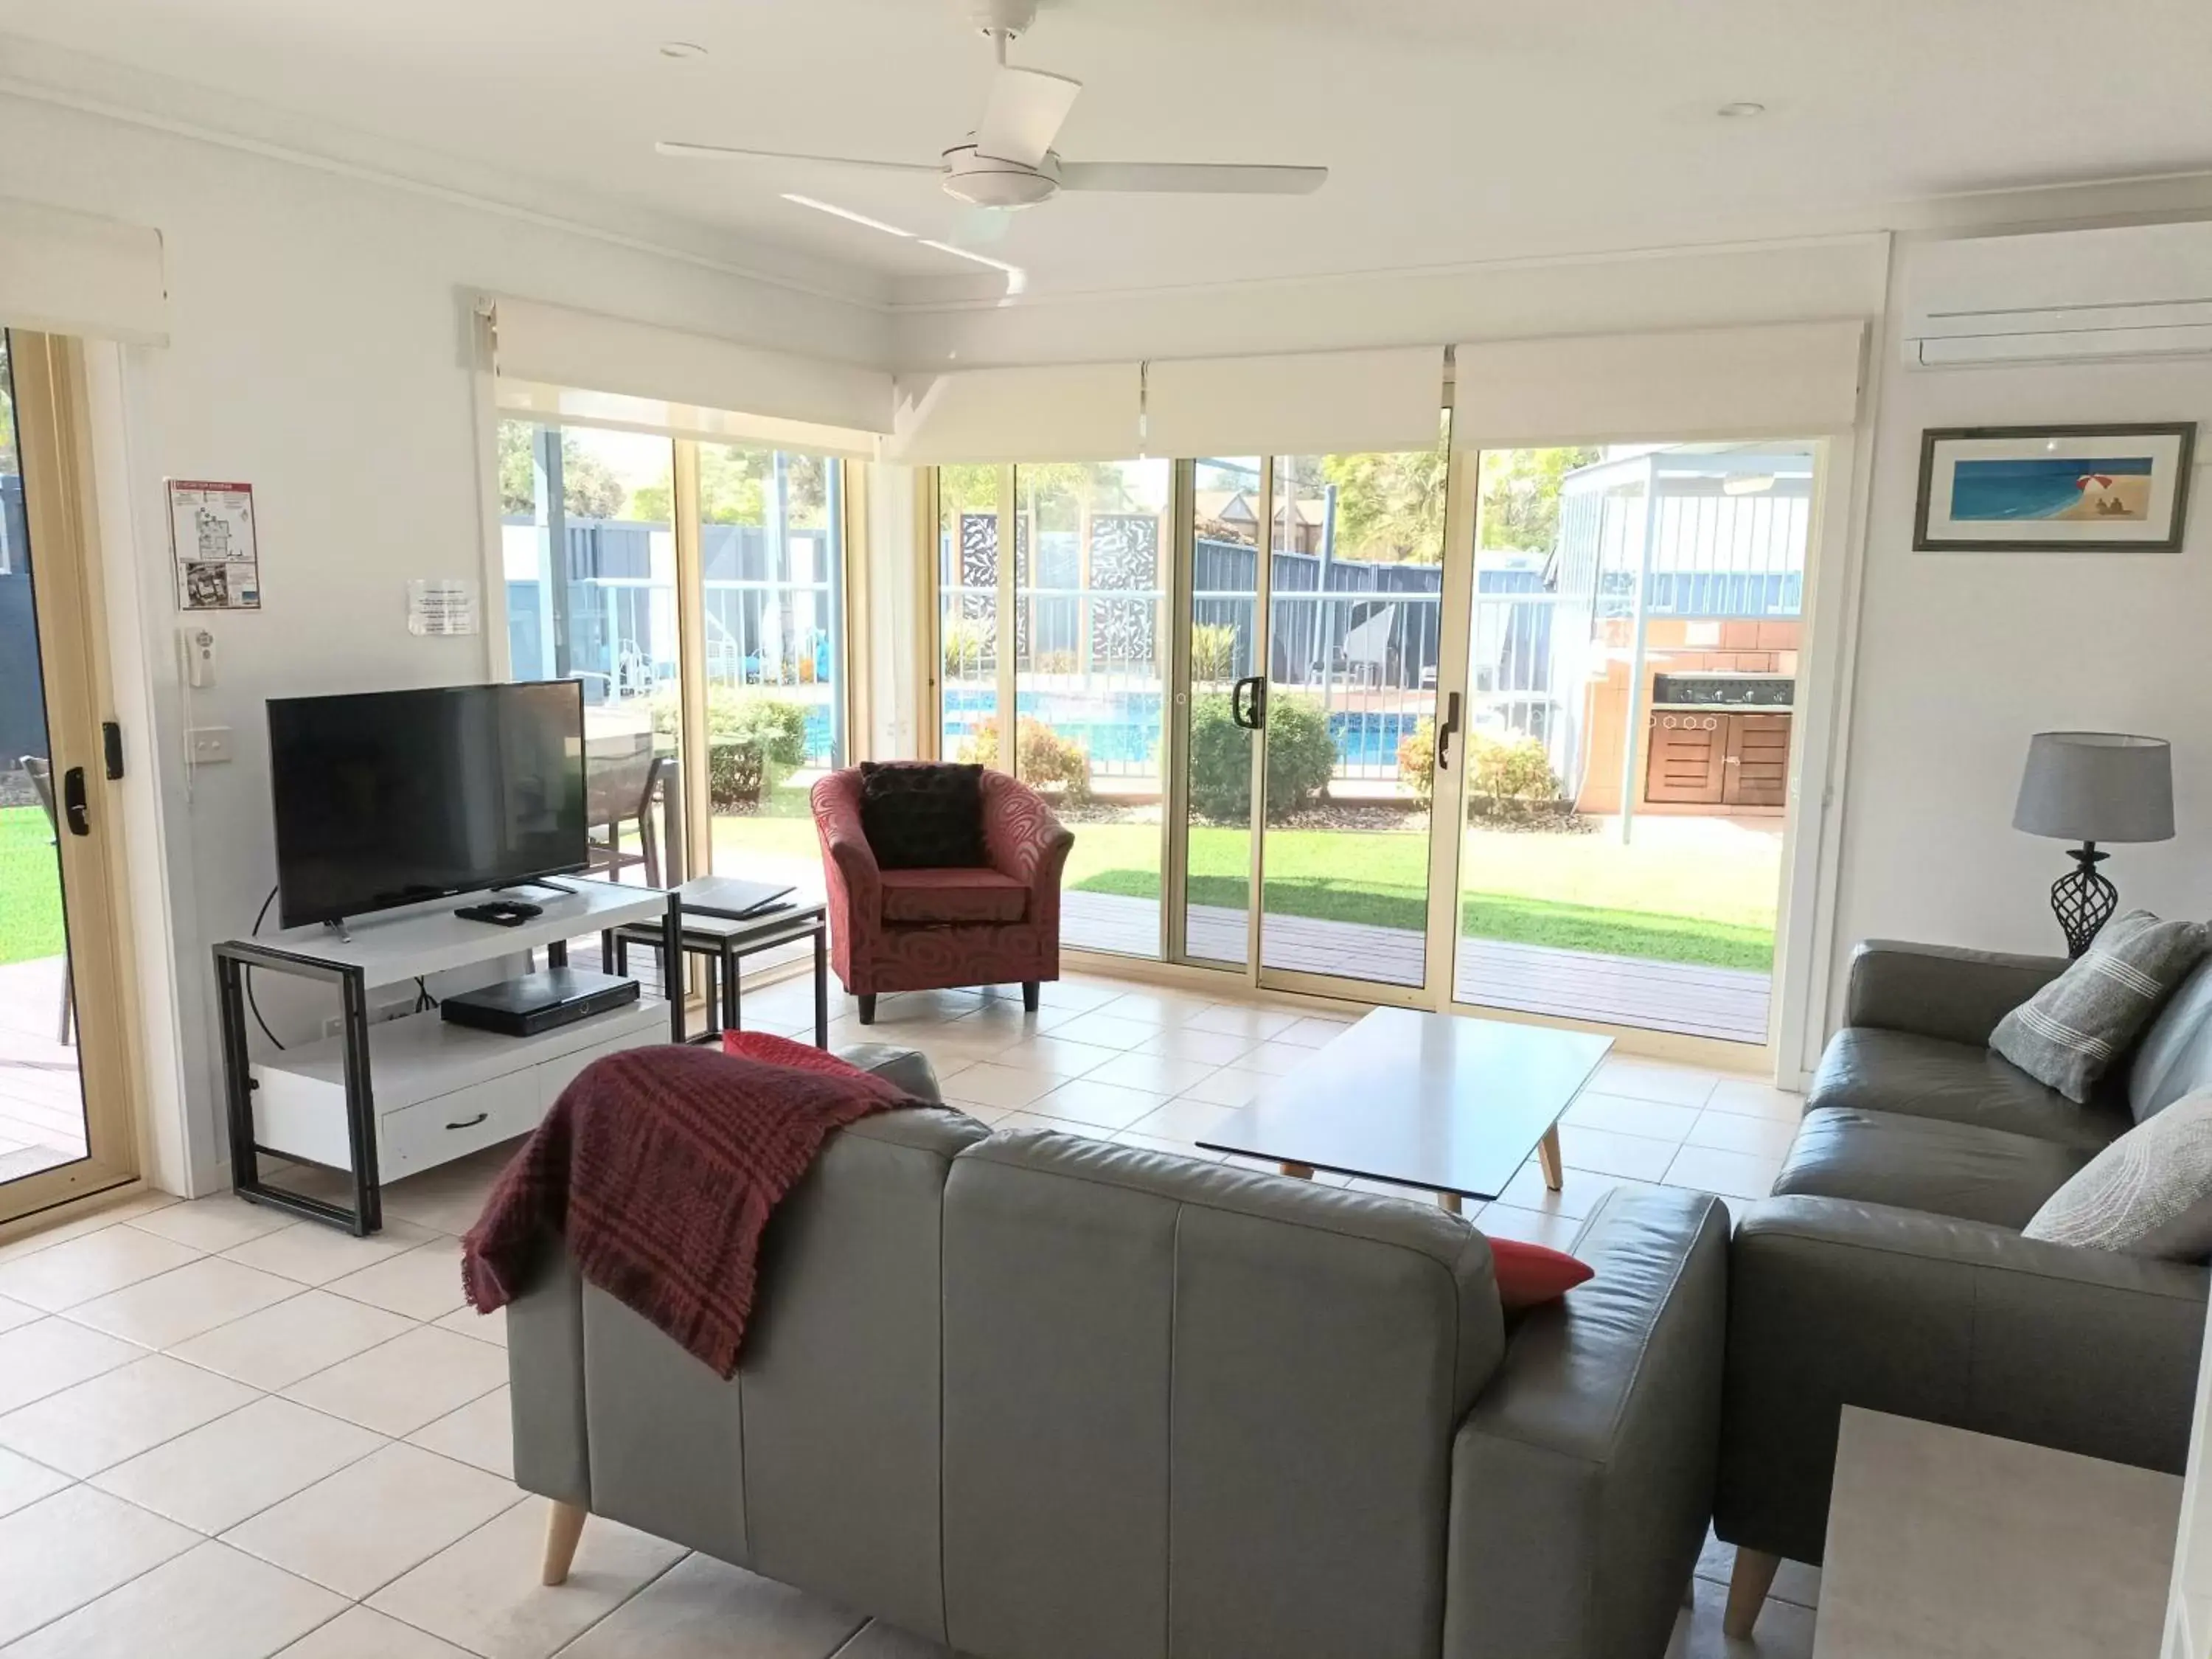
[1741,112]
[845,213]
[681,49]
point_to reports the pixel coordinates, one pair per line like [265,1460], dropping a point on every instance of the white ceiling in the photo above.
[1456,130]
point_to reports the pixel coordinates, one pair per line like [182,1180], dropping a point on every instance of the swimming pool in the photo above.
[1120,729]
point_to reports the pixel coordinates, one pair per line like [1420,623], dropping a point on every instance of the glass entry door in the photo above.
[64,1080]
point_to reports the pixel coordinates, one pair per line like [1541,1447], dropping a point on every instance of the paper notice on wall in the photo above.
[443,605]
[213,541]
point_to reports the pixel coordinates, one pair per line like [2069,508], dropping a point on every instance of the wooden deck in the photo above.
[41,1106]
[1663,996]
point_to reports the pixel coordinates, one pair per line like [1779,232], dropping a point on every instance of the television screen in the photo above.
[389,798]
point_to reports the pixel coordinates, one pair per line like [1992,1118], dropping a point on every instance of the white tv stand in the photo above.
[386,1100]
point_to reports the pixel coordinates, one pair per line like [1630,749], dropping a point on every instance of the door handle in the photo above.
[470,1123]
[73,807]
[1444,731]
[1248,715]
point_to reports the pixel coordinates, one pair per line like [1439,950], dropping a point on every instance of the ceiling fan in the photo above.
[1008,162]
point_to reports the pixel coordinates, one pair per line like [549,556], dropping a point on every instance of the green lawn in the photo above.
[1665,895]
[30,887]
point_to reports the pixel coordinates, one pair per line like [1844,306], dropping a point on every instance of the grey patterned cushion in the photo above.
[2147,1193]
[2070,1031]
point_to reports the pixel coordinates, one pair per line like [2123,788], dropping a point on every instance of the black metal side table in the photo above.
[722,936]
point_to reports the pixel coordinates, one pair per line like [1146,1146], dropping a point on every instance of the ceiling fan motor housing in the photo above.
[1008,17]
[988,181]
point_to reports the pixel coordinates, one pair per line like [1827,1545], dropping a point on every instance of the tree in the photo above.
[735,484]
[1520,496]
[589,489]
[1390,508]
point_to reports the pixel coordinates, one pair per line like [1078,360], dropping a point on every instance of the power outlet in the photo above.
[336,1023]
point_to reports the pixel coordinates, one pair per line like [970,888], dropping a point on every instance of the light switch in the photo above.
[210,743]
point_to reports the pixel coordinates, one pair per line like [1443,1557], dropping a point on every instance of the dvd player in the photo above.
[538,1002]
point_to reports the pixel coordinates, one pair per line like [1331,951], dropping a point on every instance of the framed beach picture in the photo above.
[2054,488]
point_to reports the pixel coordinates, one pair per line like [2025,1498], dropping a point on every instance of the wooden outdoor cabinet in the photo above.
[1718,757]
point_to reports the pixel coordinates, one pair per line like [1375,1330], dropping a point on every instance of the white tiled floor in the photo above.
[226,1434]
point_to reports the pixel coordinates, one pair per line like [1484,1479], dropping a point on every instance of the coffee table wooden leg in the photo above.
[1449,1201]
[1547,1153]
[1298,1172]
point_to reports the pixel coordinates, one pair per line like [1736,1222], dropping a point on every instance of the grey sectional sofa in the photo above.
[1888,1270]
[1036,1396]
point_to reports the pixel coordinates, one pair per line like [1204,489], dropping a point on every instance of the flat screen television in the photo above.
[390,798]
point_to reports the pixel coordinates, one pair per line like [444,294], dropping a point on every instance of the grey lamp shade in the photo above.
[2097,785]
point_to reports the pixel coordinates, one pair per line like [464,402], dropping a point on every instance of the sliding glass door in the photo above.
[1633,655]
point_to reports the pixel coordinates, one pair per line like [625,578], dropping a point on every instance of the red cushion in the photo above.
[952,895]
[772,1050]
[1528,1275]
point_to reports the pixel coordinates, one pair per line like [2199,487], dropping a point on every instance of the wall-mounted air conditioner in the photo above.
[2060,297]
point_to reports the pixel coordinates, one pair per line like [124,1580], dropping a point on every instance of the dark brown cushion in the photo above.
[922,815]
[952,896]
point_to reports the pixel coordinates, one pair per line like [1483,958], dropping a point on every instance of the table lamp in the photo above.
[2090,787]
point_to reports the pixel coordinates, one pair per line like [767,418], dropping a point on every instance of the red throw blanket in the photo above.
[661,1167]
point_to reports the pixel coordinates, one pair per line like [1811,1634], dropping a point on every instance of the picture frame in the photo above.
[2110,489]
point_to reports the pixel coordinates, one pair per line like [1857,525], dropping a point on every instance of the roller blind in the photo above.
[1784,380]
[1063,412]
[556,346]
[69,273]
[1316,402]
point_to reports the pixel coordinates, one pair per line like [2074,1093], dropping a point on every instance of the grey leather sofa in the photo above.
[1887,1270]
[1037,1396]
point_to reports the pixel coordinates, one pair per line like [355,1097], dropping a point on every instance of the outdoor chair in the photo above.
[617,790]
[41,773]
[926,930]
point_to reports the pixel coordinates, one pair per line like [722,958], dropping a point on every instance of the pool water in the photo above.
[1120,729]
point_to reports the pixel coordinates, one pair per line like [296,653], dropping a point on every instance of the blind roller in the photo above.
[553,345]
[1063,412]
[1784,380]
[69,273]
[1316,402]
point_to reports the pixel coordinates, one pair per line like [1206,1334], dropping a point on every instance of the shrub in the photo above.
[1504,777]
[1053,662]
[754,742]
[1301,758]
[966,644]
[1417,760]
[1043,758]
[1509,774]
[1212,653]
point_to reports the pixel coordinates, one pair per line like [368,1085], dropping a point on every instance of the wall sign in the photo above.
[2054,488]
[443,605]
[212,539]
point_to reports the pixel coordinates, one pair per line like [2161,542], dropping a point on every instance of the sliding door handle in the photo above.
[73,807]
[1244,714]
[1445,732]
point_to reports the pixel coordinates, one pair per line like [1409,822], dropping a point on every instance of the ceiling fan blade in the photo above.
[731,153]
[1197,177]
[1025,115]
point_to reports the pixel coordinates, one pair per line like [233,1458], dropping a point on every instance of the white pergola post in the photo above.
[1631,737]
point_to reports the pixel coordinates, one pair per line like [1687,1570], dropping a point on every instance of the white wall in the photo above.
[320,351]
[1962,655]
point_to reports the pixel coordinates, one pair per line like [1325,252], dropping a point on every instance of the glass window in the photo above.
[772,559]
[1091,645]
[968,612]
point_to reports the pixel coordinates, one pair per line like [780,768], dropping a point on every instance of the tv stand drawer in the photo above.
[415,1137]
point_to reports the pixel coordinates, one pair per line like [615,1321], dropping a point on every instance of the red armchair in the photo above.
[923,930]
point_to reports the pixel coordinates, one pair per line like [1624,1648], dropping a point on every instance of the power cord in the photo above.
[260,916]
[423,1000]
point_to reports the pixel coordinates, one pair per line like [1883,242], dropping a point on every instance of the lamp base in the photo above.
[2083,899]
